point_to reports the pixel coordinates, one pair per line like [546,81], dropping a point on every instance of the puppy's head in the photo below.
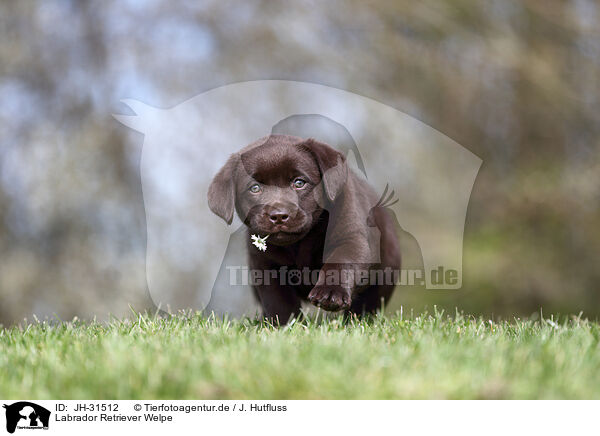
[277,186]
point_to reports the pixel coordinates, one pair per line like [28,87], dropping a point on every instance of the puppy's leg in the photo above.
[372,299]
[333,290]
[279,303]
[346,295]
[344,264]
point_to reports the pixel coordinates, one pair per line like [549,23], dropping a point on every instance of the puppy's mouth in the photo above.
[285,237]
[280,236]
[291,230]
[286,233]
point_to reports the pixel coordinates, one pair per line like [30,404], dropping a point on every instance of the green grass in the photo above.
[188,356]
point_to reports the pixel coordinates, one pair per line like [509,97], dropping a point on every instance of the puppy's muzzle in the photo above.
[279,213]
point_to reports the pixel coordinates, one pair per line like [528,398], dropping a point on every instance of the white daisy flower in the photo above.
[260,243]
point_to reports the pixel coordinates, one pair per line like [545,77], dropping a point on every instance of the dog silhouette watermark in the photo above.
[26,415]
[189,249]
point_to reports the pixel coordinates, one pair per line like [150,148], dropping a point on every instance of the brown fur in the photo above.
[323,225]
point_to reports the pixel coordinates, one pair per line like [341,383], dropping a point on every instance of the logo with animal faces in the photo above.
[24,415]
[423,177]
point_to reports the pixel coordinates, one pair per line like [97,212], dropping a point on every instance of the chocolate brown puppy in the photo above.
[318,215]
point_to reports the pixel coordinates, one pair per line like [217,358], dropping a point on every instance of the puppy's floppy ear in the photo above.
[332,165]
[221,192]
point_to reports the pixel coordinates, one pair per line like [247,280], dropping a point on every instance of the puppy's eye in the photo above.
[255,189]
[299,183]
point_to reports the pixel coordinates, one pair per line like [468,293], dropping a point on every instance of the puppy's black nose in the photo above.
[278,217]
[279,213]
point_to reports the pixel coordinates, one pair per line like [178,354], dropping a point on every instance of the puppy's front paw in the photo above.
[332,298]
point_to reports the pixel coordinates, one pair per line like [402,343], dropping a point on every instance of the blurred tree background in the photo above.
[515,82]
